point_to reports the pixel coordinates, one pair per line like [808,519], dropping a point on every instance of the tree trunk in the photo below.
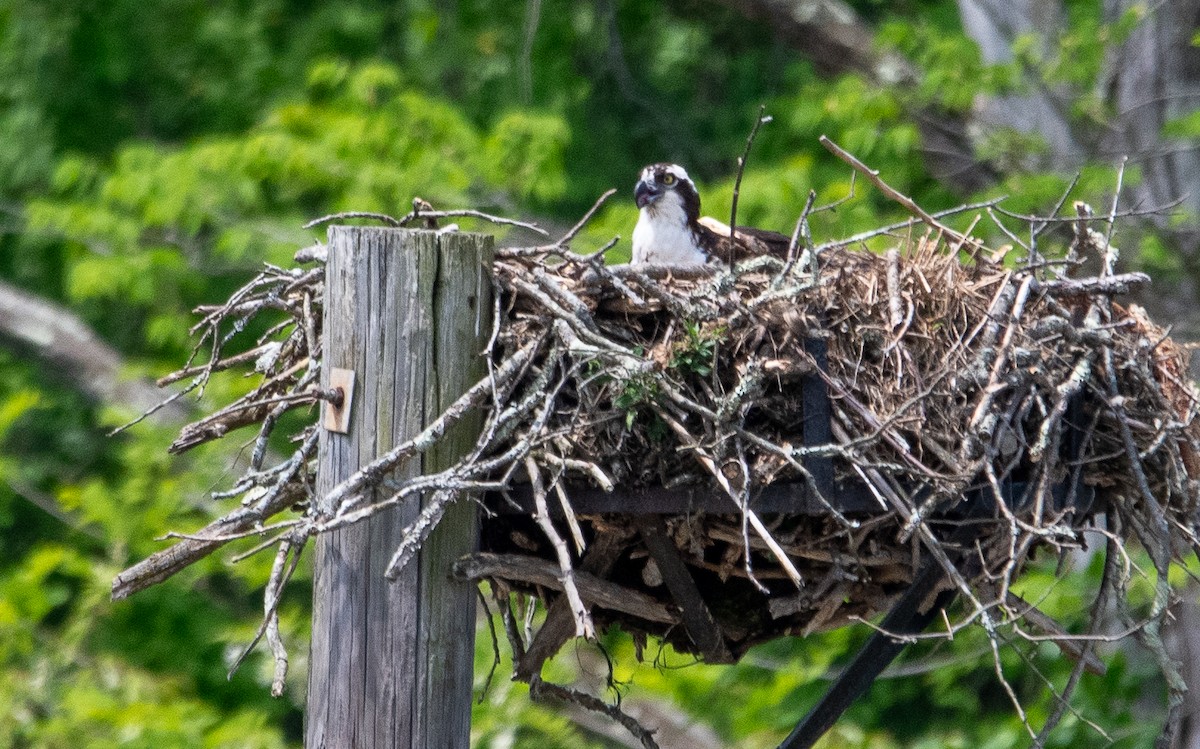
[73,352]
[1149,79]
[1044,111]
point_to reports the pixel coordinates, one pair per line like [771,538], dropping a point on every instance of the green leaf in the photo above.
[15,406]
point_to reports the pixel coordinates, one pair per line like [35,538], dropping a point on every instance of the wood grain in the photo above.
[391,661]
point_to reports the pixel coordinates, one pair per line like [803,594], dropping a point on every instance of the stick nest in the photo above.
[952,370]
[949,373]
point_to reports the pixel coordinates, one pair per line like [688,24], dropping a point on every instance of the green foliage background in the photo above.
[153,153]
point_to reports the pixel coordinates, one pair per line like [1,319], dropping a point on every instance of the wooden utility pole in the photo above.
[391,663]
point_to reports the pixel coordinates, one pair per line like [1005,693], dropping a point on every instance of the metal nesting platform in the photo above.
[912,611]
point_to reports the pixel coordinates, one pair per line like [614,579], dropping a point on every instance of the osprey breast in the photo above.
[662,235]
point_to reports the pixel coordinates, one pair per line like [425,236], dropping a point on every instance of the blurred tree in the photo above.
[1099,85]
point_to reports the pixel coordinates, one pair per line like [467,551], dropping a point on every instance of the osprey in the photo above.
[670,230]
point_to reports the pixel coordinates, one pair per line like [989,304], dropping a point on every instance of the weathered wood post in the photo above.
[409,313]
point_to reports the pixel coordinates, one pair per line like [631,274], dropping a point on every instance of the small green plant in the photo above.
[636,392]
[697,353]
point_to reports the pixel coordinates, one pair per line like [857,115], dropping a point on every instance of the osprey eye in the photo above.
[668,179]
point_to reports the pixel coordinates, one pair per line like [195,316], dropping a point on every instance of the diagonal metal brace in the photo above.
[905,618]
[697,619]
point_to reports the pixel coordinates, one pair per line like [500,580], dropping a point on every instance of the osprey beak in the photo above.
[645,193]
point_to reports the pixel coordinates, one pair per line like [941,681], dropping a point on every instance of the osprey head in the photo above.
[659,181]
[669,230]
[669,207]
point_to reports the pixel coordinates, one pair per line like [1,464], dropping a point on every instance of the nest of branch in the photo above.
[948,371]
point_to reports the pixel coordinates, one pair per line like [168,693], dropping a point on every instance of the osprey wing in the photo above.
[748,242]
[772,242]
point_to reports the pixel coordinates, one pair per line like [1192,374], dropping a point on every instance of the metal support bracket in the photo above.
[337,409]
[818,418]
